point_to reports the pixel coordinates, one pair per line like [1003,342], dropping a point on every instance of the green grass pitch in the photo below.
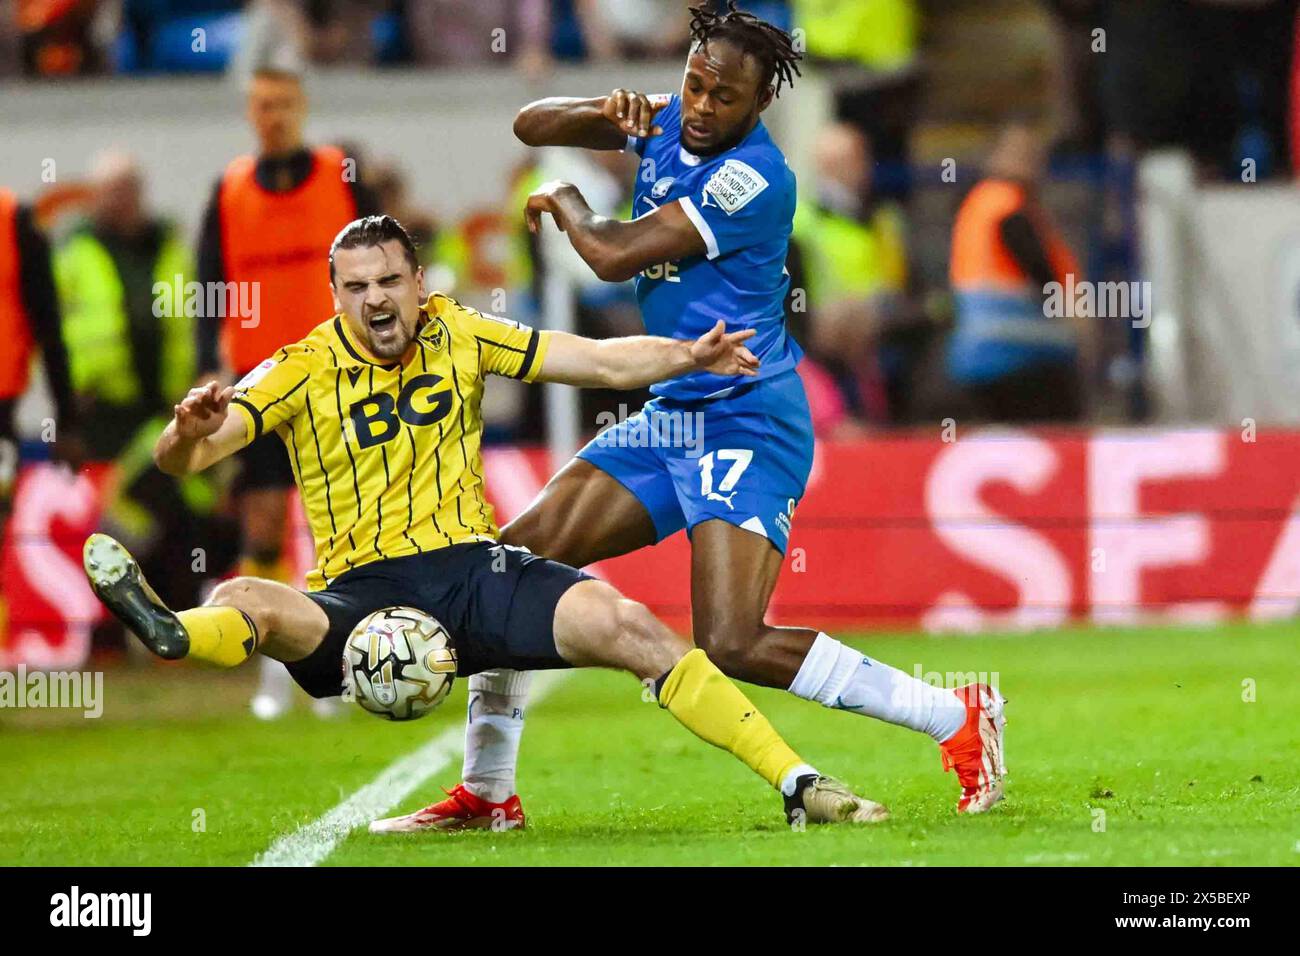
[1125,747]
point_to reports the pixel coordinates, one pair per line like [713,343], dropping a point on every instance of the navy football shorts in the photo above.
[497,603]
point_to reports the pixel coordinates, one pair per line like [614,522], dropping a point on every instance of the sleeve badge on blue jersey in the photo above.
[733,185]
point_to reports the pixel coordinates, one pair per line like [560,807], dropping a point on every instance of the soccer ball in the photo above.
[399,663]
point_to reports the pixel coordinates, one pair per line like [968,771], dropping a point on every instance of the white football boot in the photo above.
[827,800]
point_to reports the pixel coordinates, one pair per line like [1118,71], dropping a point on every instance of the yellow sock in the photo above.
[714,709]
[224,636]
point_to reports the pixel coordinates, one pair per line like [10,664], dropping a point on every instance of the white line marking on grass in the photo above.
[313,842]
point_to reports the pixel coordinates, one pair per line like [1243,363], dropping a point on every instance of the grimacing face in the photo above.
[379,295]
[722,96]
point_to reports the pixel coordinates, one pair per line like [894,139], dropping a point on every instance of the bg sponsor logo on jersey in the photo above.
[662,270]
[377,418]
[660,189]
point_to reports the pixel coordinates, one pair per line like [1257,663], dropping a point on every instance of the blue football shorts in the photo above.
[743,457]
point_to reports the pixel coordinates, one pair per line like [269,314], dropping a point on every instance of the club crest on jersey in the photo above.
[733,185]
[660,189]
[436,337]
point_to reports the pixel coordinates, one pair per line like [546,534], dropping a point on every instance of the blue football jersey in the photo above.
[742,202]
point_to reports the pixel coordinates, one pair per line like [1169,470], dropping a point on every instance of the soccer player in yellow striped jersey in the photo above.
[379,408]
[386,452]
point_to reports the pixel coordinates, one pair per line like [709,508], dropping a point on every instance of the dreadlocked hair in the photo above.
[771,46]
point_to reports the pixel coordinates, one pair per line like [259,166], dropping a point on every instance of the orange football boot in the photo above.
[976,750]
[461,810]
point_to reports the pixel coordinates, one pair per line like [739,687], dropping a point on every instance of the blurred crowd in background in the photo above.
[1064,95]
[62,37]
[914,300]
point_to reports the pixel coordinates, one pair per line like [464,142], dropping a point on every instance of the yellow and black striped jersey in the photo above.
[386,456]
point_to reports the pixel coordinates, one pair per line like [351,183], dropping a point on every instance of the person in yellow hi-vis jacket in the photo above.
[122,277]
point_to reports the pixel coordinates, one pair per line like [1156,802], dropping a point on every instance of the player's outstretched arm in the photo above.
[639,360]
[201,433]
[615,249]
[604,122]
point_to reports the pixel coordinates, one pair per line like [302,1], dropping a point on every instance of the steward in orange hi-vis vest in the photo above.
[29,314]
[29,319]
[265,244]
[15,329]
[1001,326]
[280,241]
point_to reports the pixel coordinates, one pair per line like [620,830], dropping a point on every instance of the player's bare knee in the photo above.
[250,595]
[634,620]
[601,628]
[651,647]
[606,619]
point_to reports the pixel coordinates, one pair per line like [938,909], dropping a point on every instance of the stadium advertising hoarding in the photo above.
[995,530]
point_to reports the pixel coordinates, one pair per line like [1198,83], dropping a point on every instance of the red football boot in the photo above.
[460,811]
[976,750]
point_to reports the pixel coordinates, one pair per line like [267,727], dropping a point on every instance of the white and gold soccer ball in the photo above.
[399,663]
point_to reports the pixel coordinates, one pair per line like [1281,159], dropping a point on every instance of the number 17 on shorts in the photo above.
[742,486]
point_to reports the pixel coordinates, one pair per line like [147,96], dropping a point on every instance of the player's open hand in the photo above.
[725,353]
[203,410]
[633,113]
[543,199]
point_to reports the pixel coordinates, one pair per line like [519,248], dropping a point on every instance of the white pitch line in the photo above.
[313,842]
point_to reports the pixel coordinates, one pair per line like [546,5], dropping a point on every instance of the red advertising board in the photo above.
[996,529]
[1013,530]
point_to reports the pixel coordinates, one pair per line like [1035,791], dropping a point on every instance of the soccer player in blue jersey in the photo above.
[714,203]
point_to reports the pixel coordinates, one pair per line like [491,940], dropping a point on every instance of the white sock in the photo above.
[790,779]
[840,677]
[493,728]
